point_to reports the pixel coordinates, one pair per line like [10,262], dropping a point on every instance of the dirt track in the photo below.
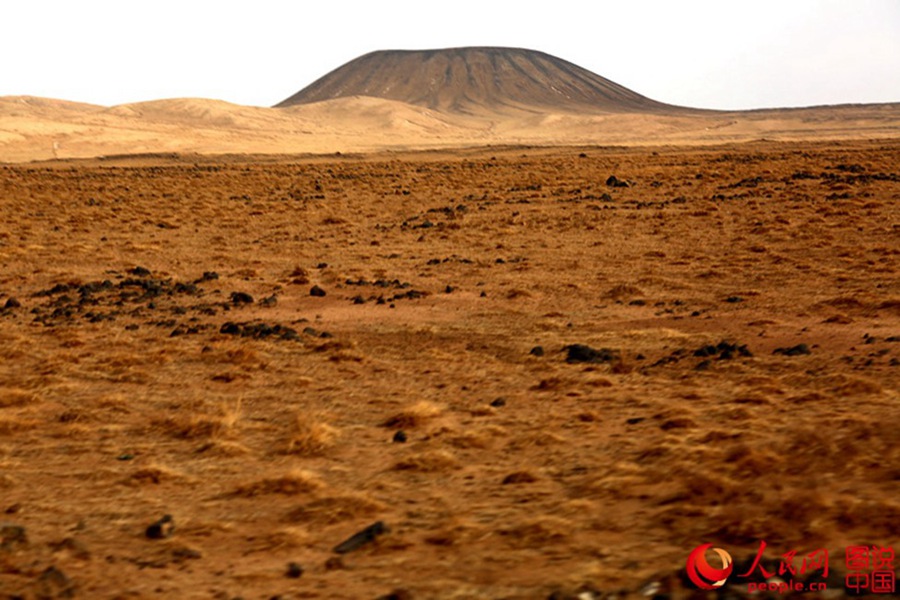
[263,422]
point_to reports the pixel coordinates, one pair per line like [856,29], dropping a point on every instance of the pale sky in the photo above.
[726,54]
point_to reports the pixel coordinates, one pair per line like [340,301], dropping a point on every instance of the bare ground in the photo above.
[264,424]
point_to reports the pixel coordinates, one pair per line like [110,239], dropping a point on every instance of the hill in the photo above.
[478,80]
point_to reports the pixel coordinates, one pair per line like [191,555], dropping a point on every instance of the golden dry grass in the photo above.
[291,484]
[309,436]
[16,397]
[336,509]
[266,429]
[434,461]
[413,416]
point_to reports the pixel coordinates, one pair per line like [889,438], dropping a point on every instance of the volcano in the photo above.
[478,80]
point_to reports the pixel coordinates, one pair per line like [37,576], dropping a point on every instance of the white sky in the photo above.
[725,54]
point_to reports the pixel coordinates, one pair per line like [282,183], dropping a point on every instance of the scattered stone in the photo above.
[53,583]
[613,181]
[186,288]
[139,272]
[12,303]
[183,553]
[361,538]
[400,437]
[705,351]
[724,350]
[59,288]
[703,365]
[269,300]
[798,350]
[519,477]
[241,298]
[578,353]
[498,402]
[409,295]
[734,299]
[536,351]
[259,331]
[162,529]
[294,571]
[316,291]
[12,535]
[750,182]
[334,563]
[316,333]
[230,328]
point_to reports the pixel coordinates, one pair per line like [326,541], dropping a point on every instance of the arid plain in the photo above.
[547,371]
[128,400]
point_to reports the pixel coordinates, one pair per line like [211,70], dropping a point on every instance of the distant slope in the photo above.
[478,80]
[40,128]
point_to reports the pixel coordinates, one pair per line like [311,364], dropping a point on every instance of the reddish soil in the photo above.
[161,354]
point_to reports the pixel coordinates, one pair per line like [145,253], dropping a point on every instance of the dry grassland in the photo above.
[161,353]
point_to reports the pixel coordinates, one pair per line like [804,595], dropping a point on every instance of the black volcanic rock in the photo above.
[476,79]
[578,353]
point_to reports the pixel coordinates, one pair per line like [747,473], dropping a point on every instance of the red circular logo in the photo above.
[704,575]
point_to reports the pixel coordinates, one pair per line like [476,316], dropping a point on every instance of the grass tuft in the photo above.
[294,483]
[310,437]
[413,416]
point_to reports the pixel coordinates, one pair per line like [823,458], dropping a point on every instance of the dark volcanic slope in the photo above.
[472,80]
